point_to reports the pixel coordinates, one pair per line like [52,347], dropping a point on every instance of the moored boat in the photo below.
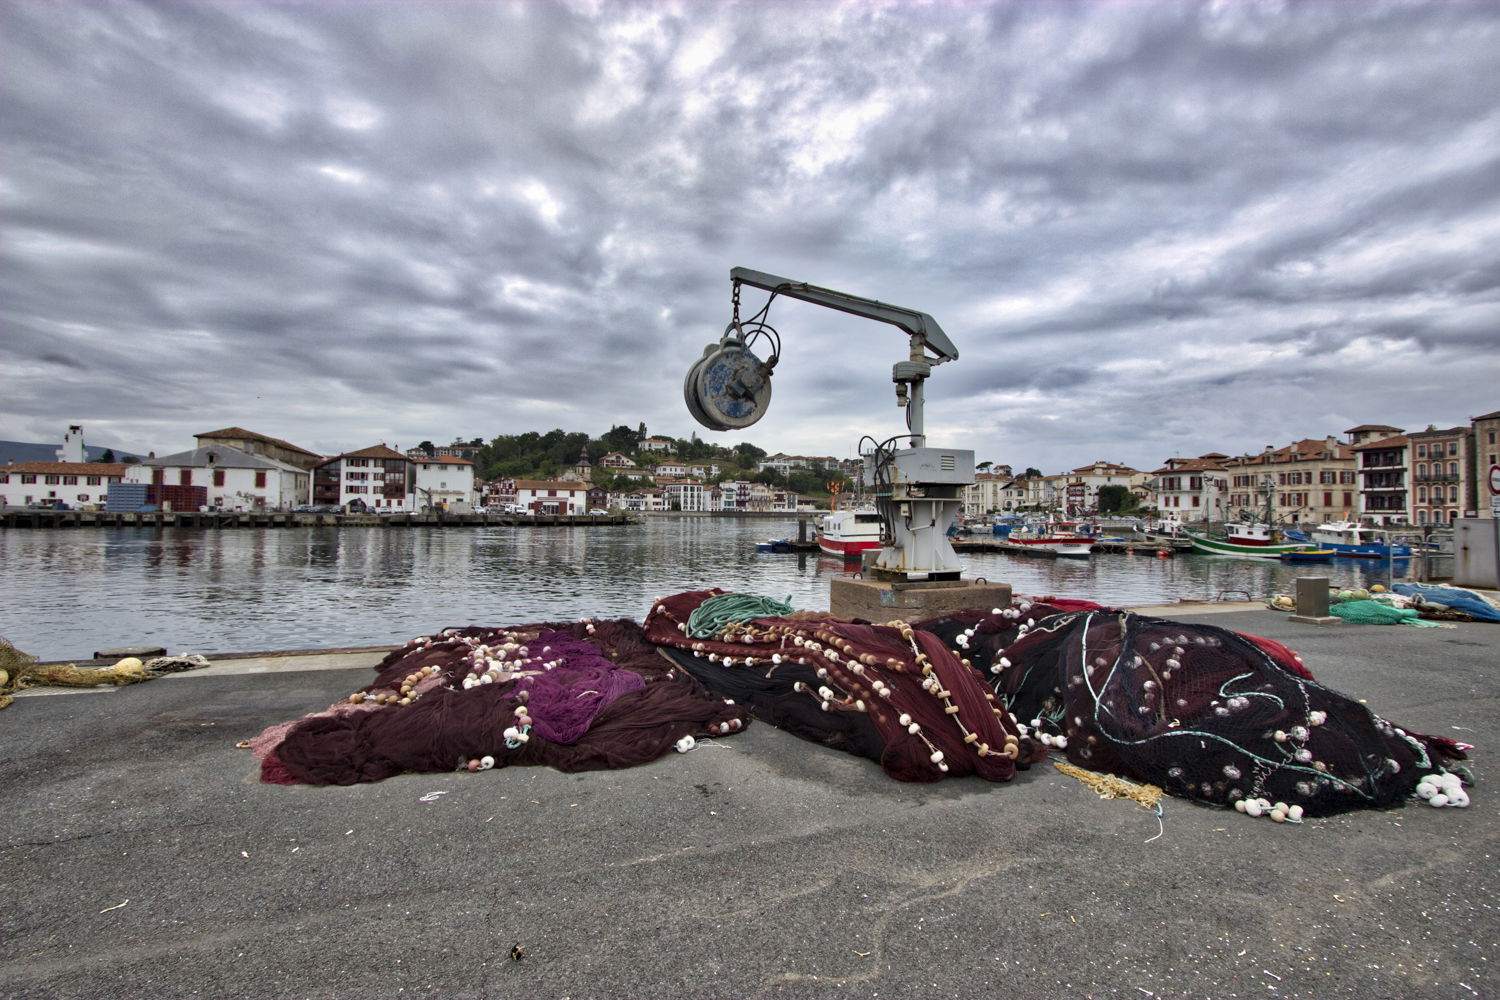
[1352,539]
[1061,537]
[847,533]
[1308,555]
[1245,538]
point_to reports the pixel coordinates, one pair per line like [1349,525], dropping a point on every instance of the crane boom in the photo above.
[922,328]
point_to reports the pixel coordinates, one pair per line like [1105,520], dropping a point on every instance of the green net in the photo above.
[710,617]
[1375,613]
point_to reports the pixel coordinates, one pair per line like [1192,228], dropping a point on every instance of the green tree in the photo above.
[108,456]
[1033,473]
[428,447]
[1115,499]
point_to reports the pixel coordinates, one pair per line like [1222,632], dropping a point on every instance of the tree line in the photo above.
[534,455]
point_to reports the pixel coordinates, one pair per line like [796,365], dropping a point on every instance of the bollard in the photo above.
[1312,601]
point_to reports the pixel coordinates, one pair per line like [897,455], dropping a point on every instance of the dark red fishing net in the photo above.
[577,697]
[933,716]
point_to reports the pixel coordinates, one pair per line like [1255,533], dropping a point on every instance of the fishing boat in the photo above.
[1309,556]
[774,545]
[1246,538]
[1352,539]
[847,533]
[1063,538]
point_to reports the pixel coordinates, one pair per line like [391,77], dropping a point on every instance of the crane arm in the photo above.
[922,328]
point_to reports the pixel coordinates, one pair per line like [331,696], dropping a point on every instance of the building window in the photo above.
[1452,468]
[218,478]
[1421,451]
[185,477]
[95,480]
[70,480]
[1421,494]
[260,480]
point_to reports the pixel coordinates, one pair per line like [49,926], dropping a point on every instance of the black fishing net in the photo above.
[1202,712]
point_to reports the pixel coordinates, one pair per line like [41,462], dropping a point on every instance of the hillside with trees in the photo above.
[533,455]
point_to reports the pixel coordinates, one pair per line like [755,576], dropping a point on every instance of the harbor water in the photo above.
[66,593]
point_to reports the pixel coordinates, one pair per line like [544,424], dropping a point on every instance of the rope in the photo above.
[710,617]
[1110,787]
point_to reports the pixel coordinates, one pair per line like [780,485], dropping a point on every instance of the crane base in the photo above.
[881,601]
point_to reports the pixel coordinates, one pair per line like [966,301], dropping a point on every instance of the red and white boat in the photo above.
[847,533]
[1061,537]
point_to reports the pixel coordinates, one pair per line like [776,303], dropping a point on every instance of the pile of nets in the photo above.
[1376,613]
[1197,711]
[1202,712]
[20,670]
[577,697]
[1463,604]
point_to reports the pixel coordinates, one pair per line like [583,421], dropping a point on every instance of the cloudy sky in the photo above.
[1151,229]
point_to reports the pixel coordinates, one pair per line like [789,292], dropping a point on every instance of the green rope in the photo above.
[710,617]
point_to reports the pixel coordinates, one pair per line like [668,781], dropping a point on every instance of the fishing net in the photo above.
[891,692]
[1375,613]
[20,670]
[576,697]
[1466,603]
[1200,711]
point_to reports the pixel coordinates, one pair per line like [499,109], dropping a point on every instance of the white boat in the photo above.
[1061,537]
[847,533]
[1350,538]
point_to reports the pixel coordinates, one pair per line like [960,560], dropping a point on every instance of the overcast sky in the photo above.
[1151,229]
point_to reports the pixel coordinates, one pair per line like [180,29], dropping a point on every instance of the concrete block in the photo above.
[879,601]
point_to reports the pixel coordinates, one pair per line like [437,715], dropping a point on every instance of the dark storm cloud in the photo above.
[349,222]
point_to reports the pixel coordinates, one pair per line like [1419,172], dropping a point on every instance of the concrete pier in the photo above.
[143,859]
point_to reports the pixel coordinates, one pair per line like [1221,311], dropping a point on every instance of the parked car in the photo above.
[597,511]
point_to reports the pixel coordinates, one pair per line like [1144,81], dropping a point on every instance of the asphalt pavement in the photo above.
[143,858]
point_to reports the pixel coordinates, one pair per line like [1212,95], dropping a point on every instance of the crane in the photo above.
[917,489]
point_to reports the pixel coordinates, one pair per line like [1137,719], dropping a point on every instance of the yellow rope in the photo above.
[1110,787]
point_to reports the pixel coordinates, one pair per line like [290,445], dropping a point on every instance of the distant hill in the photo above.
[25,451]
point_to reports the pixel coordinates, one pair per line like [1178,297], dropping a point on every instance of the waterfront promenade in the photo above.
[144,859]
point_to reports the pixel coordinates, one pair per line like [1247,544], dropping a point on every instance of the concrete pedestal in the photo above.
[1312,602]
[880,602]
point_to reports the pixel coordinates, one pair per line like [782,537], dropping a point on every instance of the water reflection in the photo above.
[66,593]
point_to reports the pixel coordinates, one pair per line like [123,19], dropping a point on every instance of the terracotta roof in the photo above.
[375,451]
[442,460]
[1373,427]
[1192,465]
[1487,416]
[242,434]
[548,484]
[1390,442]
[68,468]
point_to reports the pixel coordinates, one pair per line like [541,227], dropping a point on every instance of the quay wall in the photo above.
[23,518]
